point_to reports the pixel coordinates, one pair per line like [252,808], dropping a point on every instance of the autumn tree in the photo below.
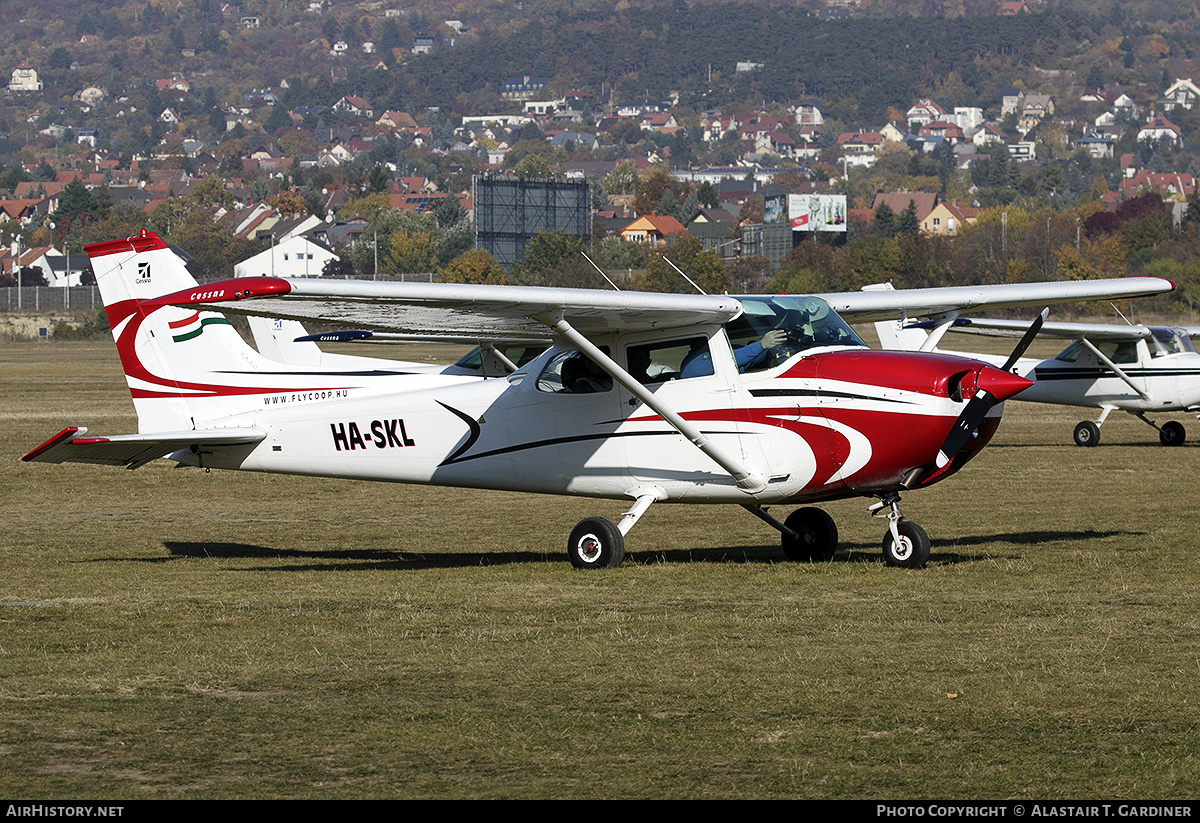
[474,266]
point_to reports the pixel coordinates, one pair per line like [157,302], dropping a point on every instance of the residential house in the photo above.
[24,78]
[523,88]
[23,210]
[422,45]
[353,106]
[808,113]
[301,256]
[661,122]
[925,111]
[1097,145]
[1035,108]
[1013,8]
[949,132]
[397,120]
[1011,102]
[987,135]
[1182,94]
[90,96]
[578,139]
[1022,151]
[1159,128]
[894,132]
[947,219]
[923,202]
[652,229]
[860,143]
[1173,186]
[1124,108]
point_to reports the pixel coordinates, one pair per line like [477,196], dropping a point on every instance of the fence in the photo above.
[47,298]
[83,298]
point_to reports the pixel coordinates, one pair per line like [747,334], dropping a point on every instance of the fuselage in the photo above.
[831,422]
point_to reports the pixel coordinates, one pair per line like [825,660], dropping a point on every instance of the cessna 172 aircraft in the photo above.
[1137,369]
[641,397]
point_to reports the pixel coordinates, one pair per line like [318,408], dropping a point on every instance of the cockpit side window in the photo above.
[660,361]
[570,372]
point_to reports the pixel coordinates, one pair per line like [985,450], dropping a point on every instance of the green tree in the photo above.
[703,267]
[906,221]
[74,200]
[554,258]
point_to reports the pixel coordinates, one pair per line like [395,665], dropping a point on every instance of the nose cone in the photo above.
[1001,384]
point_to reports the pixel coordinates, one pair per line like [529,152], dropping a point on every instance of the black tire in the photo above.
[596,543]
[1087,433]
[817,536]
[1172,434]
[913,550]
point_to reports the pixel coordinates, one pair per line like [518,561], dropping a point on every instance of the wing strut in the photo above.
[747,480]
[1116,369]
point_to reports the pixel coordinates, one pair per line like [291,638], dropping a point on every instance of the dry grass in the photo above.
[173,634]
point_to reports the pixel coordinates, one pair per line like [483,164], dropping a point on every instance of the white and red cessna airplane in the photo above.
[648,398]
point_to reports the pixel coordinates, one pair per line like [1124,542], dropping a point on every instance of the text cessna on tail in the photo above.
[644,397]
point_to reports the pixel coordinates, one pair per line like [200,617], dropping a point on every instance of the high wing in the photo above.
[134,450]
[453,311]
[886,303]
[991,327]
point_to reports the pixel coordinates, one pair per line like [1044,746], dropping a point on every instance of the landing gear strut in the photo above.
[906,544]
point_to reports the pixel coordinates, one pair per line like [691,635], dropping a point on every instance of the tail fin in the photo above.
[183,367]
[894,336]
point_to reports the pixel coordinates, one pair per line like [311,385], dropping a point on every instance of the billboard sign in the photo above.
[817,212]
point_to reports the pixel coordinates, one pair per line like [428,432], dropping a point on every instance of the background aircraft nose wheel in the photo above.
[1087,433]
[816,538]
[911,551]
[1171,434]
[596,543]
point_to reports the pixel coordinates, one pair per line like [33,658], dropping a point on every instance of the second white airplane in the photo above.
[1142,370]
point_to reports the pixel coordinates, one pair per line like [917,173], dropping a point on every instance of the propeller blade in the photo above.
[993,386]
[967,422]
[1026,339]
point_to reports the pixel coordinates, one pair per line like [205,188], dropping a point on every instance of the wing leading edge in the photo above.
[455,310]
[888,304]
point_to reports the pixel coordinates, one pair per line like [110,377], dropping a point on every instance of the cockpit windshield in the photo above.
[772,328]
[1164,341]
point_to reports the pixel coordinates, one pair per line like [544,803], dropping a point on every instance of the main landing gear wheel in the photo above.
[816,536]
[1087,433]
[912,551]
[596,543]
[1171,434]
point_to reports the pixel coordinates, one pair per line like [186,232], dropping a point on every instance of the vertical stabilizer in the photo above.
[894,336]
[183,366]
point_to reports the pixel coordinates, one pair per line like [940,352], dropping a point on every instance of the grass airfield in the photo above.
[167,633]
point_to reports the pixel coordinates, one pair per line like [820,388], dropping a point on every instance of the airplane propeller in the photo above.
[992,384]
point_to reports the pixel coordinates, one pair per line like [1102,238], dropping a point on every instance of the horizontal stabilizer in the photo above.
[133,450]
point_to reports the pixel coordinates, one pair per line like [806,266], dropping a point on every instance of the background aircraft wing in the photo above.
[887,304]
[1068,331]
[455,311]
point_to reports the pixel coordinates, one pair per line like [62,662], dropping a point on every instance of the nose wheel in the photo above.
[906,545]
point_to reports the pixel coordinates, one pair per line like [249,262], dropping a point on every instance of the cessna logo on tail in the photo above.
[143,272]
[383,434]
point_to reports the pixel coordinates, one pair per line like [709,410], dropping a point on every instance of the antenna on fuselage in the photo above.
[602,274]
[684,276]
